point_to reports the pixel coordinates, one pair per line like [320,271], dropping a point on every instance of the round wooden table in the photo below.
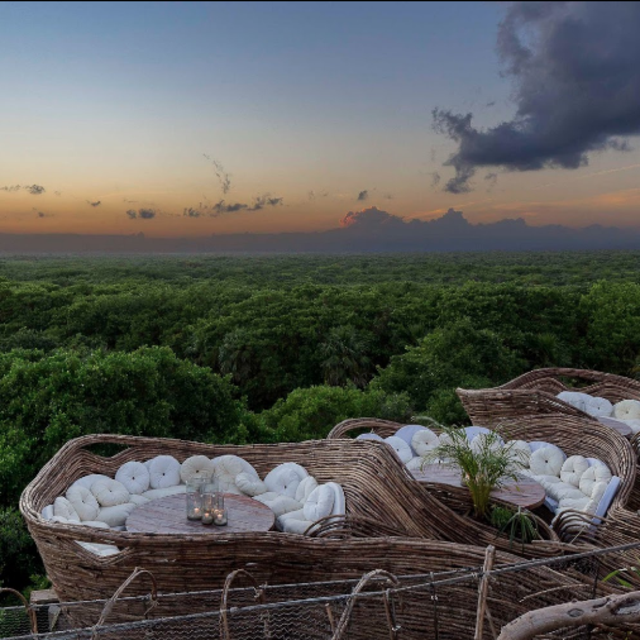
[169,515]
[524,492]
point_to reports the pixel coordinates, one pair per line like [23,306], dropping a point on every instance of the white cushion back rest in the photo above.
[83,501]
[634,425]
[339,502]
[164,471]
[64,509]
[407,432]
[47,512]
[283,480]
[116,516]
[87,481]
[520,451]
[593,475]
[573,468]
[109,492]
[424,441]
[319,504]
[574,398]
[627,410]
[598,407]
[134,476]
[199,466]
[249,486]
[152,494]
[401,448]
[369,436]
[306,486]
[225,470]
[472,432]
[482,442]
[546,461]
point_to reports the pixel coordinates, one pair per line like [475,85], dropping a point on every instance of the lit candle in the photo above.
[220,516]
[207,517]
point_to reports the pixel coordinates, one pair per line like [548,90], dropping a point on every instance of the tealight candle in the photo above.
[220,517]
[207,517]
[194,499]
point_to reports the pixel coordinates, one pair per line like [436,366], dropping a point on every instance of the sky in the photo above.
[191,119]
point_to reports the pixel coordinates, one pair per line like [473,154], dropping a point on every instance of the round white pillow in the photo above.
[520,451]
[199,466]
[249,485]
[424,441]
[484,442]
[402,449]
[62,508]
[164,471]
[134,476]
[627,410]
[593,475]
[87,481]
[546,461]
[83,501]
[283,480]
[572,469]
[574,398]
[109,493]
[319,504]
[116,516]
[225,470]
[598,407]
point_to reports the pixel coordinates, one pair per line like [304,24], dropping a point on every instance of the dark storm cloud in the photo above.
[223,177]
[576,77]
[363,195]
[35,189]
[142,214]
[97,203]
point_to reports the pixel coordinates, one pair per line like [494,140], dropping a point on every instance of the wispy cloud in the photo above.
[141,214]
[220,208]
[363,195]
[35,189]
[97,203]
[15,187]
[223,177]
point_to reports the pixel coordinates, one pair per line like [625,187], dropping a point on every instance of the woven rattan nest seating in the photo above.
[382,500]
[574,436]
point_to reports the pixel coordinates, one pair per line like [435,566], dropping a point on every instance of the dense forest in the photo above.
[267,349]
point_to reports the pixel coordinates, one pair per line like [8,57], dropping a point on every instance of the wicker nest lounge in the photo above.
[382,501]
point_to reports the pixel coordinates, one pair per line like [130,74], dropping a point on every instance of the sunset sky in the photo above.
[187,119]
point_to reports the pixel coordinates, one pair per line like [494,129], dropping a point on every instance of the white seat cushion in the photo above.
[136,499]
[134,476]
[594,474]
[199,466]
[401,448]
[164,471]
[547,461]
[369,436]
[306,486]
[573,468]
[47,512]
[627,410]
[225,470]
[64,509]
[319,504]
[424,441]
[99,549]
[116,516]
[83,501]
[249,485]
[285,479]
[109,492]
[278,503]
[153,494]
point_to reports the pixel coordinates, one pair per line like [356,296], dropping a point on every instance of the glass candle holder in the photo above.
[207,503]
[219,510]
[194,498]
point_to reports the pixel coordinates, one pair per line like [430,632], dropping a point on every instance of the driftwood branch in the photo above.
[612,610]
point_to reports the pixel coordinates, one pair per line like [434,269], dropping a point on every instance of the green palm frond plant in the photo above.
[486,465]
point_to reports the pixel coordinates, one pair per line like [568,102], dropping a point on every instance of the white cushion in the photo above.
[249,485]
[319,504]
[164,471]
[486,441]
[278,503]
[102,550]
[578,504]
[284,479]
[573,468]
[153,494]
[109,493]
[199,466]
[225,470]
[574,398]
[605,501]
[599,489]
[115,516]
[96,524]
[64,509]
[563,490]
[407,432]
[424,441]
[134,476]
[547,482]
[298,514]
[47,512]
[296,525]
[594,474]
[87,481]
[83,501]
[546,461]
[634,425]
[370,436]
[415,464]
[136,499]
[473,432]
[598,407]
[339,502]
[520,451]
[402,449]
[306,486]
[627,410]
